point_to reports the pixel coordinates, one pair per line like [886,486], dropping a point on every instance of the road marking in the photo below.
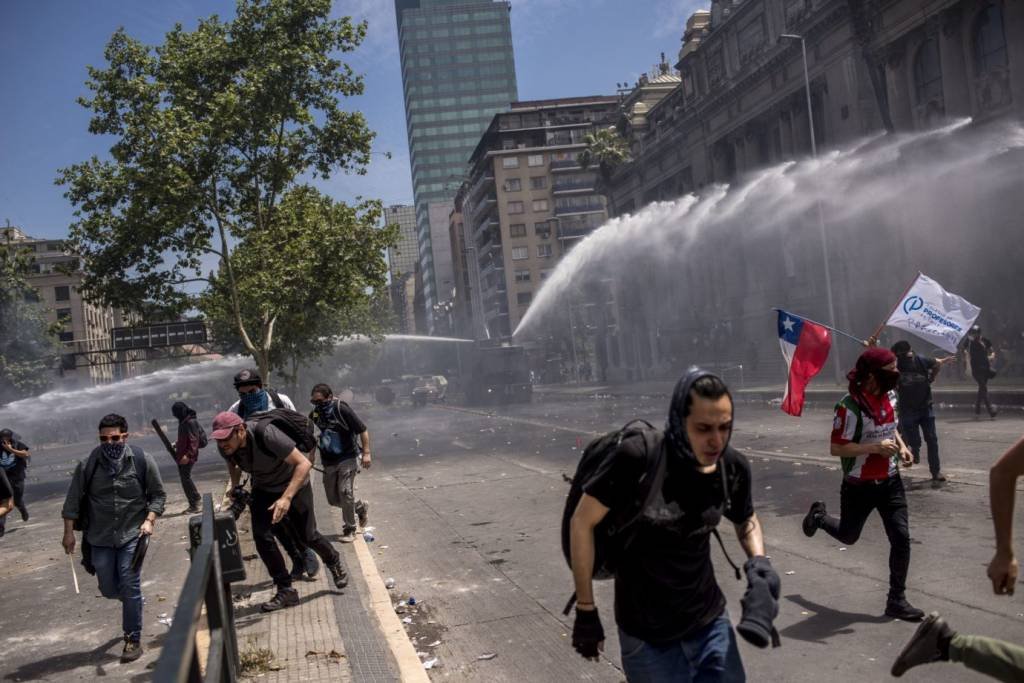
[410,668]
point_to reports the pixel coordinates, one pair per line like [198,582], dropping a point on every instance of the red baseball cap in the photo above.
[224,424]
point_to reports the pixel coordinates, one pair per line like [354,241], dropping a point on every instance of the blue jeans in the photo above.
[909,429]
[118,582]
[709,656]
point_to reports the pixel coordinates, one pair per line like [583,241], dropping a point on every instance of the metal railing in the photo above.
[204,585]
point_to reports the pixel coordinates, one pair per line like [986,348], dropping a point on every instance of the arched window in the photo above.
[989,41]
[928,73]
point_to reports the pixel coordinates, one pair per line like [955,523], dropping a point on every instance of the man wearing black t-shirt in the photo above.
[281,494]
[668,606]
[914,406]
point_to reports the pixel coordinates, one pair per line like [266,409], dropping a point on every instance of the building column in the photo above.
[1013,26]
[897,85]
[955,81]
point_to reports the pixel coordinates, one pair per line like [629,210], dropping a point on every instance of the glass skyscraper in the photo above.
[458,70]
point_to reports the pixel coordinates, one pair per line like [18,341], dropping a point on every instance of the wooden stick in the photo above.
[878,330]
[74,573]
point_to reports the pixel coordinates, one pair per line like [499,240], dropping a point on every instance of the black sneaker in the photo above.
[917,459]
[285,597]
[930,643]
[298,571]
[311,563]
[338,574]
[24,515]
[812,520]
[362,511]
[132,651]
[192,510]
[901,609]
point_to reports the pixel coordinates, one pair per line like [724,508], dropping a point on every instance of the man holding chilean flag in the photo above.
[805,346]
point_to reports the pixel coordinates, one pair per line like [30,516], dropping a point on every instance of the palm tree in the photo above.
[608,150]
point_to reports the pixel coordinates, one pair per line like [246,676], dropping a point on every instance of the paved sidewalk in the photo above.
[307,641]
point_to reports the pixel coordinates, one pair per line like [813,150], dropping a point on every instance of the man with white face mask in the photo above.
[116,494]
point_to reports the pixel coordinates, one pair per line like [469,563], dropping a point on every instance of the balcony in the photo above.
[570,184]
[573,232]
[486,180]
[489,223]
[565,165]
[581,205]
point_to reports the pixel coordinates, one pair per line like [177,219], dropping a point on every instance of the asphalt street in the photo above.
[467,504]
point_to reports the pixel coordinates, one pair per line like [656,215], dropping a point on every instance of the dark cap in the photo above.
[248,377]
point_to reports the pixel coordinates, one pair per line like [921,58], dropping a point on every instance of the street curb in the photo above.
[410,668]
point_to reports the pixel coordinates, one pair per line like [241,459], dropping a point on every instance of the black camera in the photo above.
[240,498]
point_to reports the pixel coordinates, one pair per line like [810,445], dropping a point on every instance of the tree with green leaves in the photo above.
[312,277]
[212,130]
[607,150]
[28,347]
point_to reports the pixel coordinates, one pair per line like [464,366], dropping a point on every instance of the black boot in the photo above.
[285,597]
[899,608]
[930,643]
[338,574]
[812,520]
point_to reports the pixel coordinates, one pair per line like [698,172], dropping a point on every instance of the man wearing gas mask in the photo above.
[669,610]
[866,439]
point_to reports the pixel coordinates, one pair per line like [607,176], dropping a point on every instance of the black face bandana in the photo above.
[888,380]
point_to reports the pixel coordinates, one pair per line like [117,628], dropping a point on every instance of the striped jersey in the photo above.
[854,424]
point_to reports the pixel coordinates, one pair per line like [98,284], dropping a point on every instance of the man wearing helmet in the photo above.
[669,609]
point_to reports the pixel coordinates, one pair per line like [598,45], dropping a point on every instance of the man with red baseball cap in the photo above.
[280,487]
[865,438]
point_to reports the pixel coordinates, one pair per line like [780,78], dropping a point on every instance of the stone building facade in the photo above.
[740,106]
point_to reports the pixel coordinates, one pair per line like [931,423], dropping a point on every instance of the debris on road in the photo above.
[430,663]
[389,582]
[486,656]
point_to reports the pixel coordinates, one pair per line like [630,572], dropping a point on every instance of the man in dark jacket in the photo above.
[916,413]
[979,351]
[14,456]
[119,491]
[186,452]
[669,609]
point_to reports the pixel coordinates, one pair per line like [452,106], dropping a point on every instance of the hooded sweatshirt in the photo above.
[186,448]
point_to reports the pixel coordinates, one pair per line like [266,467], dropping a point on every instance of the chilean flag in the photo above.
[805,347]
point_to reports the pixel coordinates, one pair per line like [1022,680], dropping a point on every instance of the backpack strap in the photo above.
[141,468]
[337,415]
[275,398]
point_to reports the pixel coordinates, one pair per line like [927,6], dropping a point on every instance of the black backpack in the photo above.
[612,536]
[295,426]
[204,441]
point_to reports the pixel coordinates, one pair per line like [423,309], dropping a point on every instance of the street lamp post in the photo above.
[817,201]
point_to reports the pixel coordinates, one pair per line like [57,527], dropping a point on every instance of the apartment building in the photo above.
[526,202]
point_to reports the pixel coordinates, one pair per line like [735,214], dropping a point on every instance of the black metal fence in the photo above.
[204,585]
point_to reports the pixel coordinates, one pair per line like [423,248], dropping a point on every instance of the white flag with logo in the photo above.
[933,314]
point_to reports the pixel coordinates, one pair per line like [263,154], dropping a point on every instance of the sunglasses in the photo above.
[115,438]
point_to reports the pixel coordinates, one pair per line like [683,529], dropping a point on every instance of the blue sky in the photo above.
[563,48]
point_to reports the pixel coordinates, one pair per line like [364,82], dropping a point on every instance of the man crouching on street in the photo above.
[116,494]
[670,612]
[281,494]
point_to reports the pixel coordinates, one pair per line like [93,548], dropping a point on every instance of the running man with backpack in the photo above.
[648,503]
[340,428]
[267,448]
[115,496]
[191,438]
[866,439]
[14,459]
[254,398]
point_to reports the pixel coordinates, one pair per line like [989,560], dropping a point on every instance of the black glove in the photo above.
[587,632]
[760,603]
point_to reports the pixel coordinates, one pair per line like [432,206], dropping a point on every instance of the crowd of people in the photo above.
[117,494]
[645,513]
